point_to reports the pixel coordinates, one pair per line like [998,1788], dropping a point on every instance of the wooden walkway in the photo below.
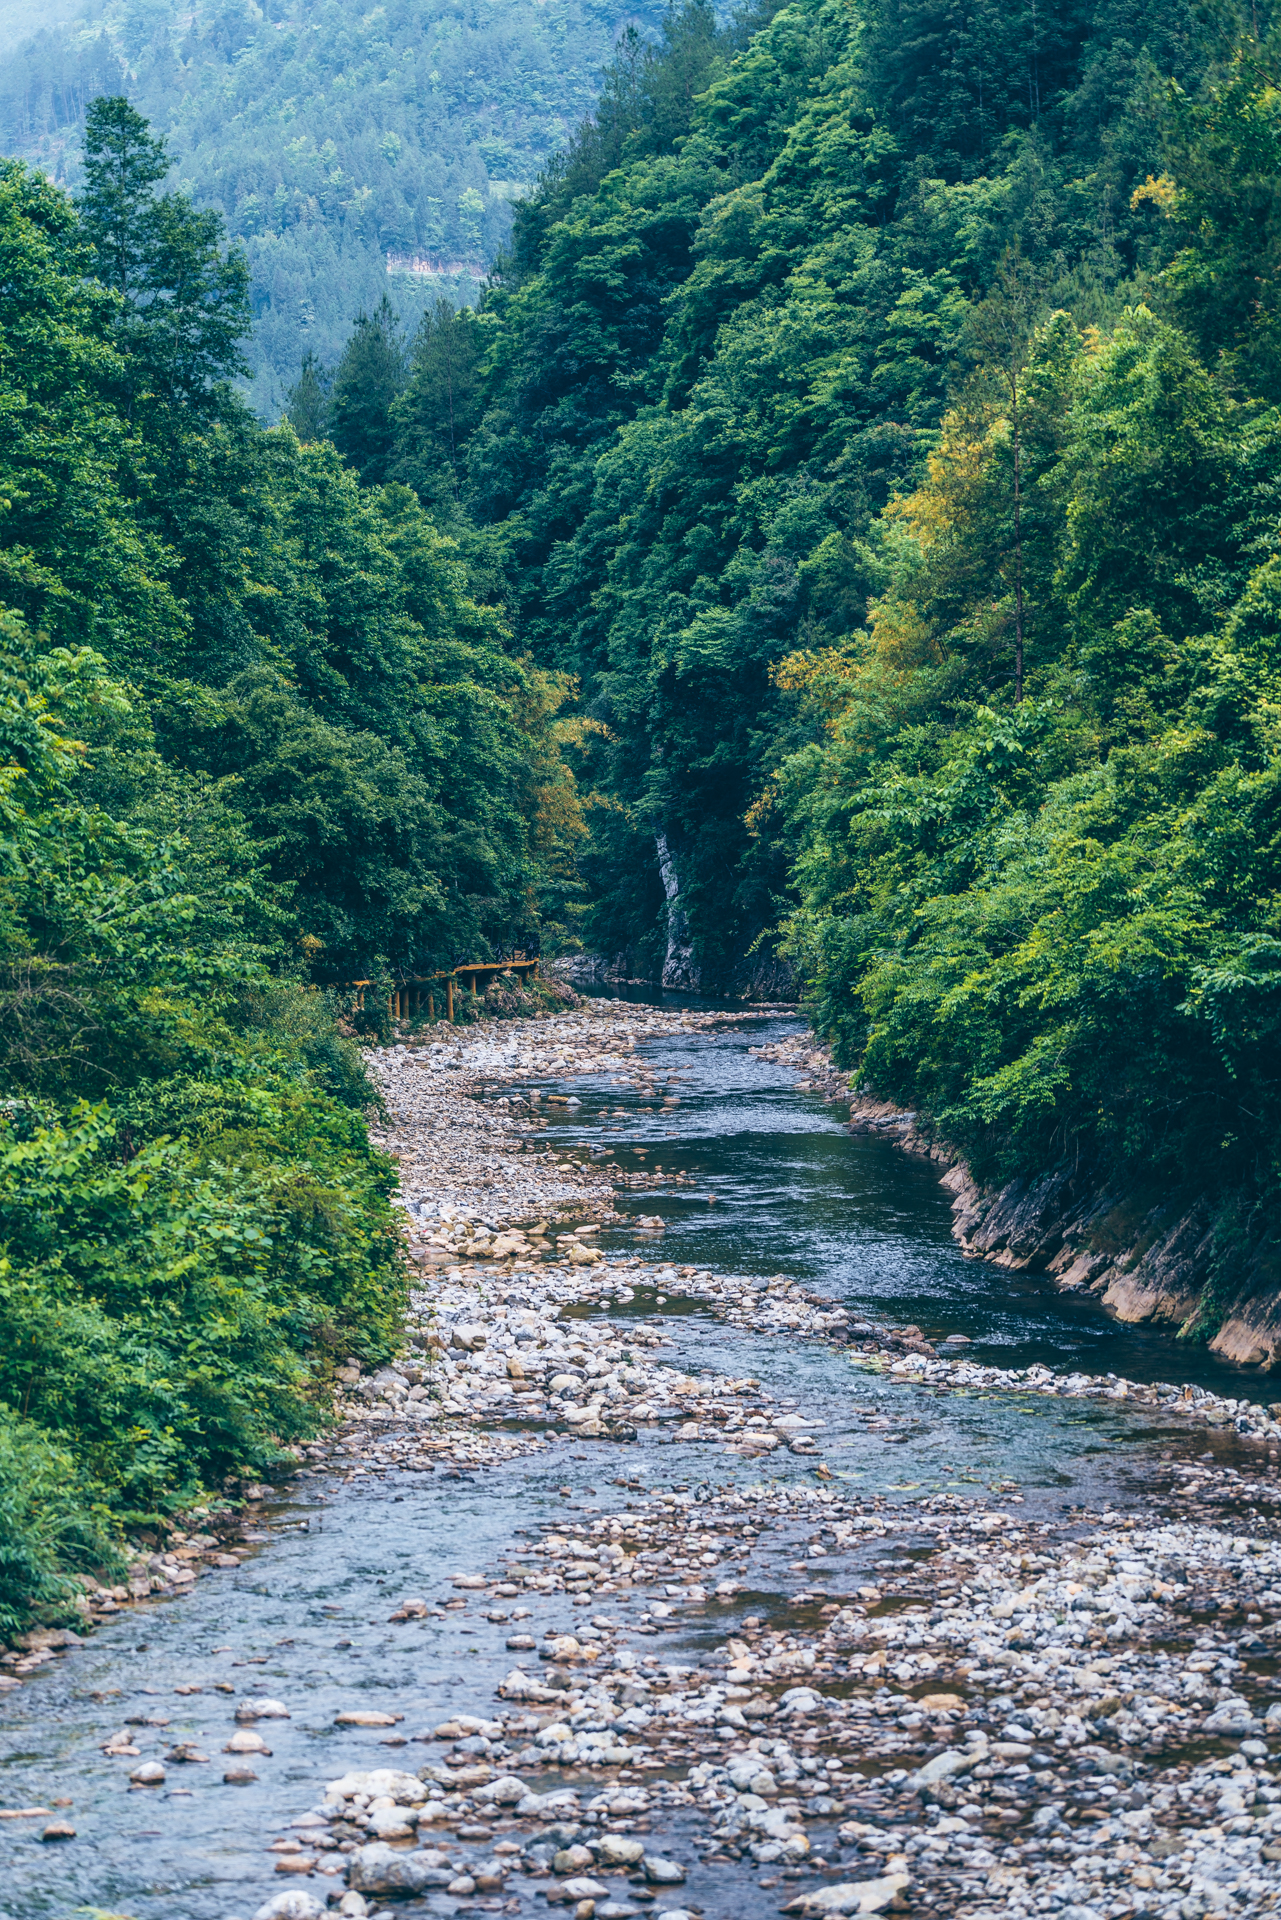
[411,994]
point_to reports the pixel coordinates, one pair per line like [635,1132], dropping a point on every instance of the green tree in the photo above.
[307,401]
[254,729]
[184,297]
[1224,201]
[76,555]
[123,164]
[367,381]
[435,416]
[180,1254]
[1001,327]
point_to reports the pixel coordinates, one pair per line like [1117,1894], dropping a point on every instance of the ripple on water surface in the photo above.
[851,1214]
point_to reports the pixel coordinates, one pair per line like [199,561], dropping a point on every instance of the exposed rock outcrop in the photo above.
[1144,1258]
[680,965]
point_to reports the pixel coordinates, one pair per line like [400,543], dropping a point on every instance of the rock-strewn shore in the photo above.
[951,1707]
[1024,1715]
[955,1709]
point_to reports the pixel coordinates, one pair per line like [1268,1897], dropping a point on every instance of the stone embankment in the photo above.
[1142,1261]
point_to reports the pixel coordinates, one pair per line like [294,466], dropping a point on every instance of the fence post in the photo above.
[449,990]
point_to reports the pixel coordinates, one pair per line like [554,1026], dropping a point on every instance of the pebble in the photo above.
[470,1365]
[247,1742]
[1043,1672]
[294,1905]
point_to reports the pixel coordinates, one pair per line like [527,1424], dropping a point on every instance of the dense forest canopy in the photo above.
[334,145]
[843,538]
[875,416]
[260,740]
[732,324]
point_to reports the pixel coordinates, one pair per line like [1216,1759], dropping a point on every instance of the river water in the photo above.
[305,1620]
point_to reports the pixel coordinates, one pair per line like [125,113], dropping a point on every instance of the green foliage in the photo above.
[163,1313]
[1052,926]
[876,423]
[1224,202]
[306,649]
[435,416]
[257,739]
[47,1530]
[369,378]
[307,401]
[348,154]
[73,553]
[734,319]
[183,298]
[181,1256]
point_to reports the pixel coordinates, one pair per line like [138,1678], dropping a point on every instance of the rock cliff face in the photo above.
[680,967]
[1141,1258]
[759,977]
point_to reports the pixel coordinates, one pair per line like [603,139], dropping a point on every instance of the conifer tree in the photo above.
[123,163]
[185,299]
[307,401]
[369,377]
[434,417]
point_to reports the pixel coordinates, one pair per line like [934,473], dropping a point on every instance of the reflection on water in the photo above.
[850,1214]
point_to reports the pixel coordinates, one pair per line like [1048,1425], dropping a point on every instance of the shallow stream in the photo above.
[791,1191]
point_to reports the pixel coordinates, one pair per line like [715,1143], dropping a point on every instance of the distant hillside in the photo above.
[20,18]
[336,145]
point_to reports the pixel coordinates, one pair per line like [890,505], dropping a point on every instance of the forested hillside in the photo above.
[333,144]
[258,737]
[877,419]
[844,537]
[729,332]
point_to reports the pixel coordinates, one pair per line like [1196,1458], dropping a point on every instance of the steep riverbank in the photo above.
[1144,1259]
[644,1583]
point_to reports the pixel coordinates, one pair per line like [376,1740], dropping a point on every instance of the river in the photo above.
[305,1619]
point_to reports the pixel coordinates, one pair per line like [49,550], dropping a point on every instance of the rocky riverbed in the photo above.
[762,1686]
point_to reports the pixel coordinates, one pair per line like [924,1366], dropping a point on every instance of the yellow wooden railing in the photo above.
[409,995]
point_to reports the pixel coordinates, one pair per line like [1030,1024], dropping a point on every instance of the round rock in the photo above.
[660,1872]
[294,1905]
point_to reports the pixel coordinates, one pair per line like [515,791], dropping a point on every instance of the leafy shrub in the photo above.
[163,1314]
[48,1527]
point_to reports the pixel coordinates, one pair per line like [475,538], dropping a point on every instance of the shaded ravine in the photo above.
[306,1620]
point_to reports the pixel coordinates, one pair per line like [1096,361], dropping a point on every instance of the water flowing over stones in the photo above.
[759,1688]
